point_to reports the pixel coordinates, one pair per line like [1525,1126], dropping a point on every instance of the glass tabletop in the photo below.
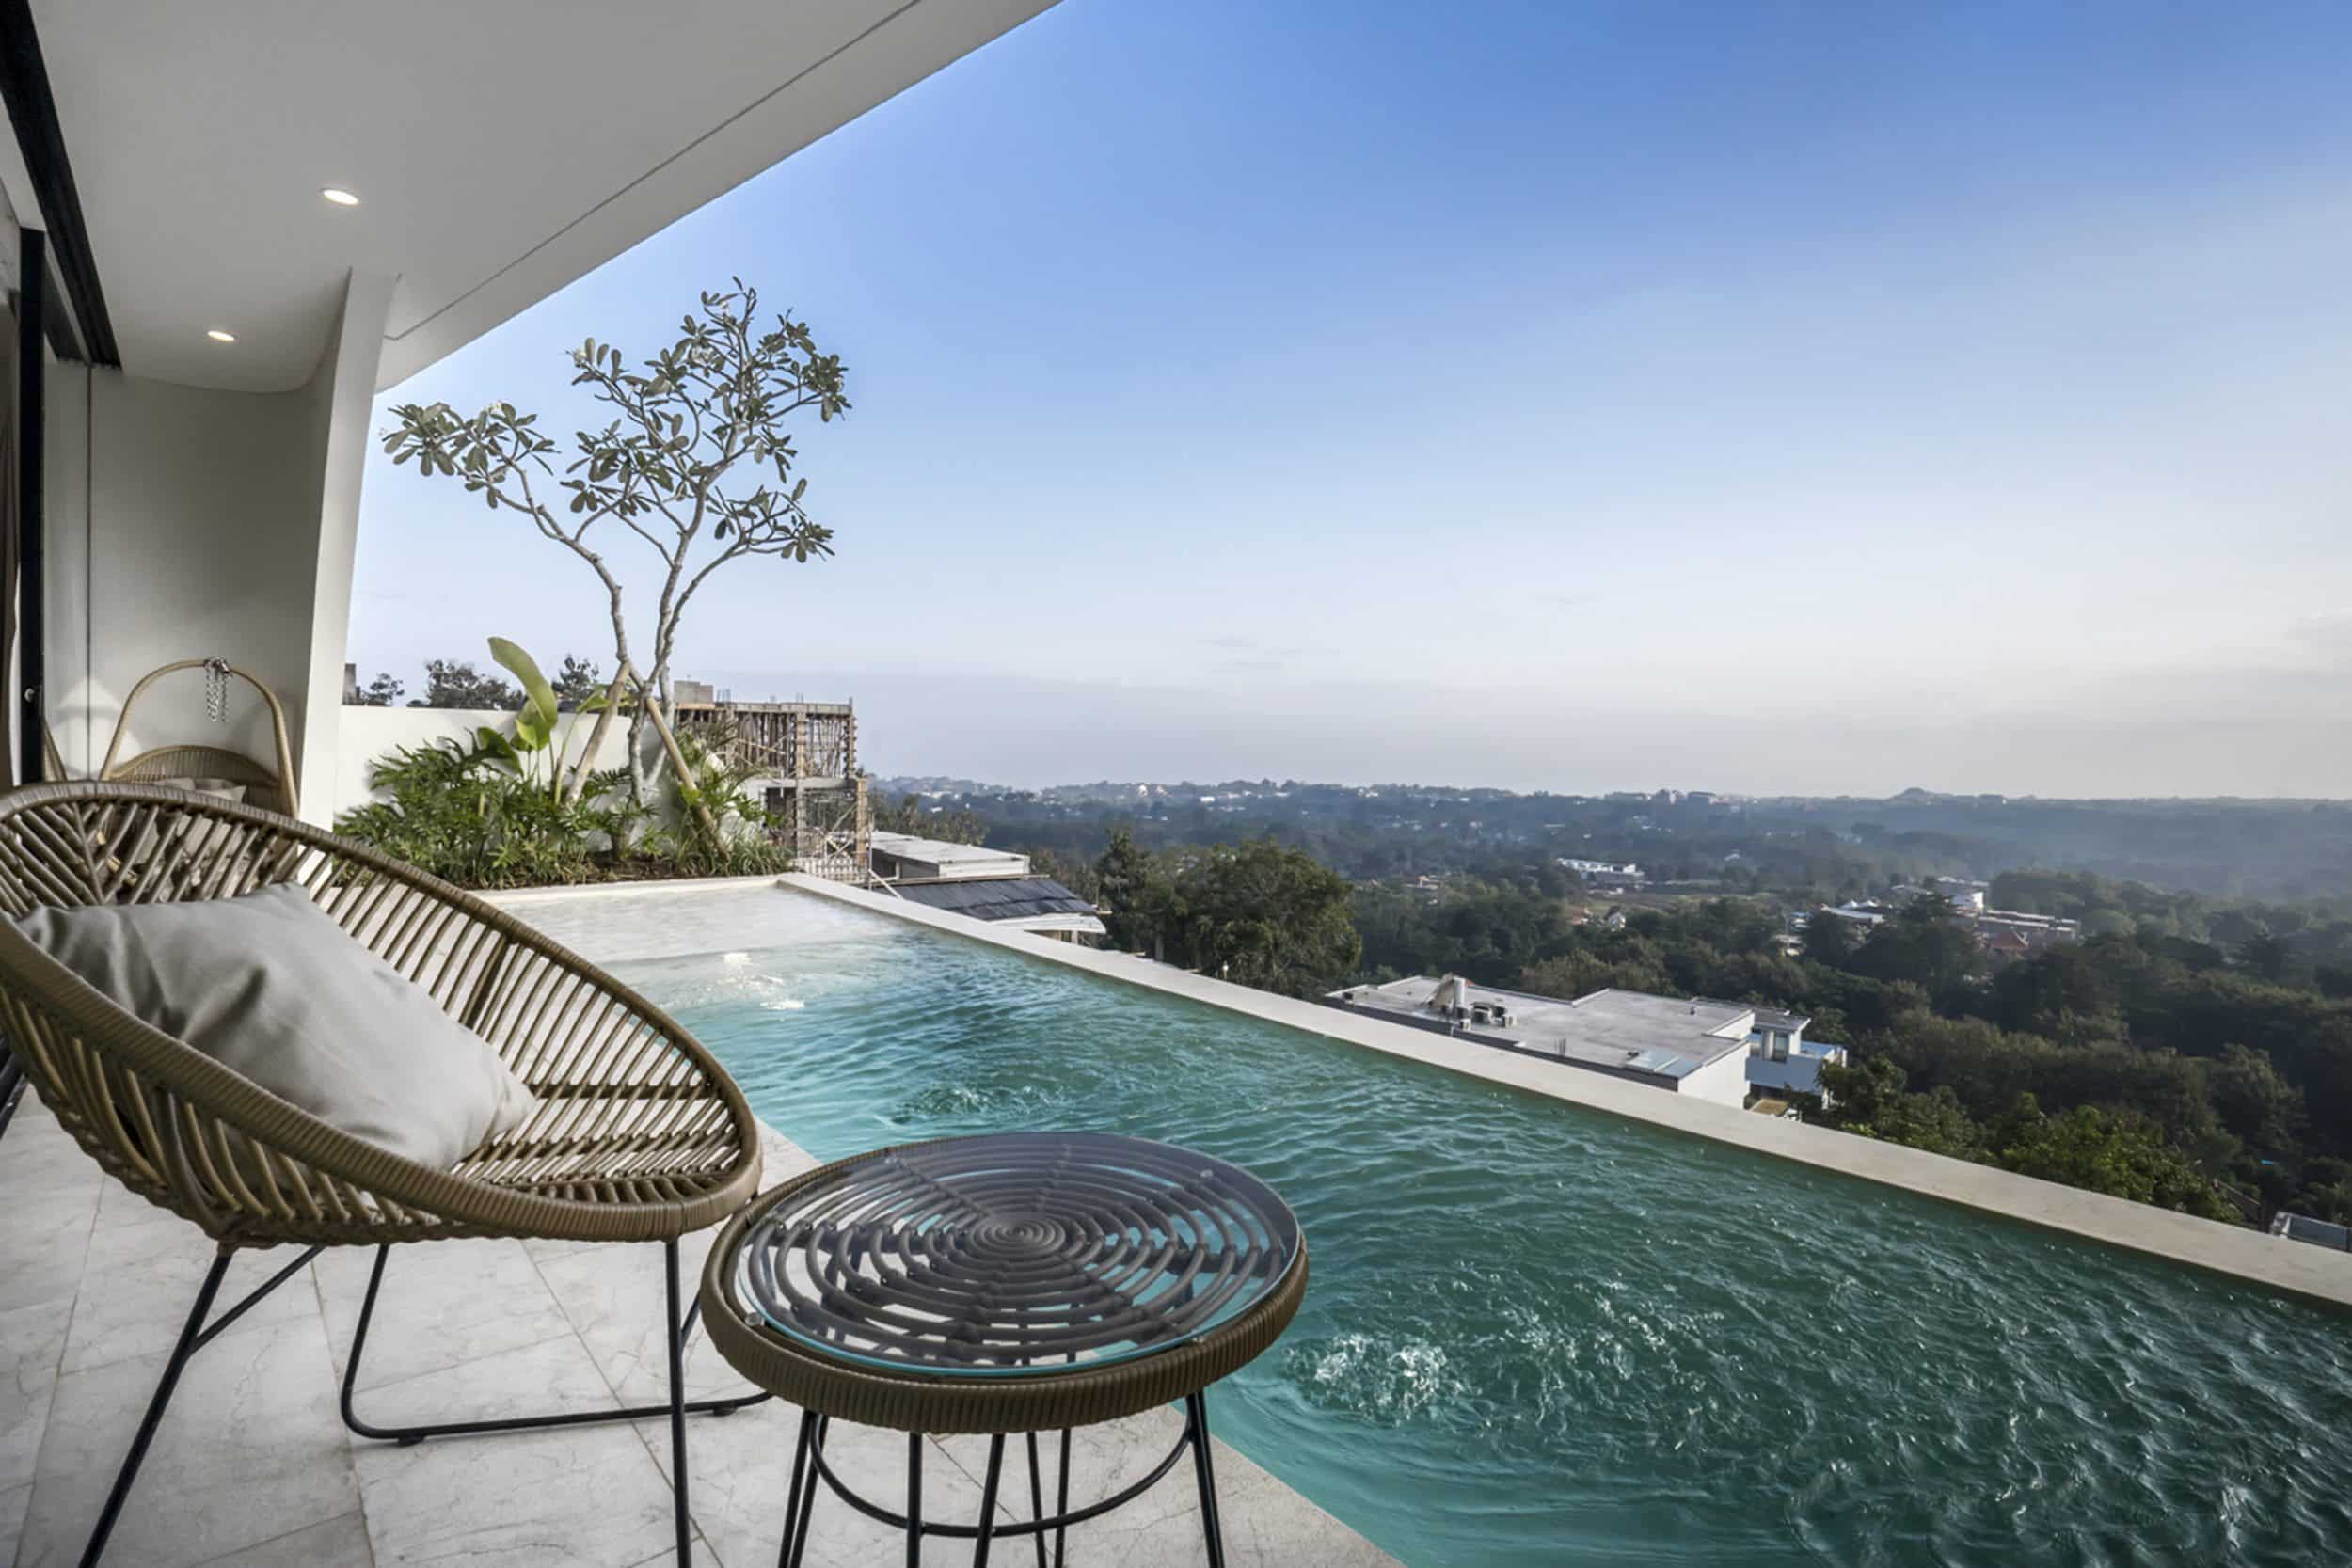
[1014,1255]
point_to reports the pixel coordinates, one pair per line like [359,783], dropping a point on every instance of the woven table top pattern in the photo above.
[1016,1254]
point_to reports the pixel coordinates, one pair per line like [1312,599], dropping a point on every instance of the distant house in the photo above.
[2005,946]
[2302,1228]
[1722,1052]
[1966,896]
[1620,874]
[971,879]
[1782,1061]
[2034,931]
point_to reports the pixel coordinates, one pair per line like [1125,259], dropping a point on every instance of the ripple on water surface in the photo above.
[1539,1335]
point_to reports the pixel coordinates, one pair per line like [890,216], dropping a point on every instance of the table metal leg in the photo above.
[915,1500]
[792,1497]
[1037,1499]
[1061,1502]
[988,1501]
[812,1445]
[1204,1471]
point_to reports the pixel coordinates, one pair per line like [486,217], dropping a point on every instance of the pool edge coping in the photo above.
[2297,1269]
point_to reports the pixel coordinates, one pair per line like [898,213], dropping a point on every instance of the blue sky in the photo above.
[1800,398]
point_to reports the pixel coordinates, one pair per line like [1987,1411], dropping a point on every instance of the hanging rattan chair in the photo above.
[639,1136]
[270,787]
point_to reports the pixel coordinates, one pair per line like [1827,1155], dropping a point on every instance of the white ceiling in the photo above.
[501,148]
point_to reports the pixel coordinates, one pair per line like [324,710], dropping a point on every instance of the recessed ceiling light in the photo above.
[217,336]
[339,198]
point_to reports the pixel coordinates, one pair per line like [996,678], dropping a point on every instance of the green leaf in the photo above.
[534,726]
[498,748]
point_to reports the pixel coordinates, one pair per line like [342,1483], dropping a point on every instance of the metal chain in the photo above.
[216,691]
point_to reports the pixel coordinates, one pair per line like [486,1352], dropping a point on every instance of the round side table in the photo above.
[1012,1283]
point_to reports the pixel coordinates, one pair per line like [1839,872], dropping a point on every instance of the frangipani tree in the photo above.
[696,464]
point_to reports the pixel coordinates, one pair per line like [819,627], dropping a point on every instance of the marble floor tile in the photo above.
[552,1377]
[702,1558]
[119,1205]
[1266,1525]
[570,1498]
[32,1341]
[443,1304]
[39,1158]
[47,1238]
[250,1450]
[140,1278]
[338,1543]
[742,1468]
[13,1503]
[614,1298]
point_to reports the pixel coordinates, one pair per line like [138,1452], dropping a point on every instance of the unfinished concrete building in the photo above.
[806,754]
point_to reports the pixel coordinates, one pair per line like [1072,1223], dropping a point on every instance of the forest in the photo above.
[2191,1050]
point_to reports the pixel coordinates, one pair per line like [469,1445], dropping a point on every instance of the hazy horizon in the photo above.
[1830,400]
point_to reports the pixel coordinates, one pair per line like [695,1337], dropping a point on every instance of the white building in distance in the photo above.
[1716,1051]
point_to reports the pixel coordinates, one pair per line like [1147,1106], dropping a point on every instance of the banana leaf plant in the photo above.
[540,733]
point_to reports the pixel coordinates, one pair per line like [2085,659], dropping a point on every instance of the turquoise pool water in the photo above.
[1540,1336]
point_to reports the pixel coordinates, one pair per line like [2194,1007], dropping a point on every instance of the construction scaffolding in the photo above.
[807,758]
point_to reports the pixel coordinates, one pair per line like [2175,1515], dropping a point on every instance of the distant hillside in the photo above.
[2231,848]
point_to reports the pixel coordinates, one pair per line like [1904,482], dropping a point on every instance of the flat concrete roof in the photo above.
[1621,1031]
[950,861]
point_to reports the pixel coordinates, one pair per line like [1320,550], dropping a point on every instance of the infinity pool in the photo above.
[1537,1335]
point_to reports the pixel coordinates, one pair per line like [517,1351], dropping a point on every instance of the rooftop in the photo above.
[1035,903]
[1618,1030]
[930,858]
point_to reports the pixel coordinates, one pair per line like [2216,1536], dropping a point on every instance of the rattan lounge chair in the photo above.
[640,1135]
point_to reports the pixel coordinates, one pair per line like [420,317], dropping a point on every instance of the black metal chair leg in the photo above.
[675,1326]
[405,1435]
[987,1501]
[191,1334]
[1204,1471]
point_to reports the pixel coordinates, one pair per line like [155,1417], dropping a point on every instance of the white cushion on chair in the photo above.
[268,986]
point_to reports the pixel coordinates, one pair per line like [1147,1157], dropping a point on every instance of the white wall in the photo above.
[1723,1083]
[189,522]
[369,732]
[342,398]
[66,543]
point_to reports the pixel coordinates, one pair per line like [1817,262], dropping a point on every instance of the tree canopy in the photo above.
[456,683]
[1258,913]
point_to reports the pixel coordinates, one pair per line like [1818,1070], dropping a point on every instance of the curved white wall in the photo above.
[185,522]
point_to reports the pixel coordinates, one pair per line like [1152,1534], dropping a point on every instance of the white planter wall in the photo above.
[369,732]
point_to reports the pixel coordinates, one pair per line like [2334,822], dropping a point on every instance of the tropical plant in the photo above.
[720,829]
[460,811]
[537,751]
